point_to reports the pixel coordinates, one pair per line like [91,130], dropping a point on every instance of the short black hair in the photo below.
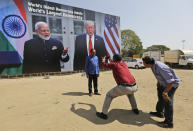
[148,60]
[117,58]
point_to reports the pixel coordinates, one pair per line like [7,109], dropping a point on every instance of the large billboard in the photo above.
[23,48]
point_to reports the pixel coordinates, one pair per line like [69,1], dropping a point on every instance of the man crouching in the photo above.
[126,85]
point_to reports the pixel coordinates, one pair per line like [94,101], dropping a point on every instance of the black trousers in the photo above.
[94,79]
[163,106]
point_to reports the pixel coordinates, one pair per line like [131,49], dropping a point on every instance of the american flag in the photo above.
[111,35]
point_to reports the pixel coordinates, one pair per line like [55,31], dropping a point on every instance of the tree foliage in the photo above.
[161,48]
[131,43]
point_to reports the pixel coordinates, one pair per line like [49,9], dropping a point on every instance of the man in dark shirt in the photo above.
[43,54]
[126,85]
[83,44]
[92,71]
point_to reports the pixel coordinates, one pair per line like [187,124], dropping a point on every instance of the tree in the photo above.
[131,43]
[161,48]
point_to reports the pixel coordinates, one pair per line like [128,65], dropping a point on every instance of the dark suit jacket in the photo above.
[42,55]
[81,53]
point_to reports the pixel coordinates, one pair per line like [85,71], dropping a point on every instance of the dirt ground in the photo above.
[61,103]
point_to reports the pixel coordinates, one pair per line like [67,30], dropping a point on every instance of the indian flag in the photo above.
[13,30]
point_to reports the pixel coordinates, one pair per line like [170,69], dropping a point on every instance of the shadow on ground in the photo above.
[121,115]
[75,93]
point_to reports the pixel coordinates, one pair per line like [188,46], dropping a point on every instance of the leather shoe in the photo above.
[96,93]
[165,125]
[90,94]
[158,114]
[101,115]
[136,111]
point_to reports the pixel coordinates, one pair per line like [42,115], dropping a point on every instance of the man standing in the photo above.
[92,71]
[43,54]
[167,84]
[84,43]
[126,85]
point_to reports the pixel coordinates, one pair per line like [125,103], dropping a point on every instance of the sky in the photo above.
[156,22]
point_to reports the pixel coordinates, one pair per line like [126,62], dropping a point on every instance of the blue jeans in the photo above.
[163,106]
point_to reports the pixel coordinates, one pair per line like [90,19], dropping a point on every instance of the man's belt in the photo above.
[126,84]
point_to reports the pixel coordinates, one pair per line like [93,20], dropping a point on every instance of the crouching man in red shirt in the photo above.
[126,85]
